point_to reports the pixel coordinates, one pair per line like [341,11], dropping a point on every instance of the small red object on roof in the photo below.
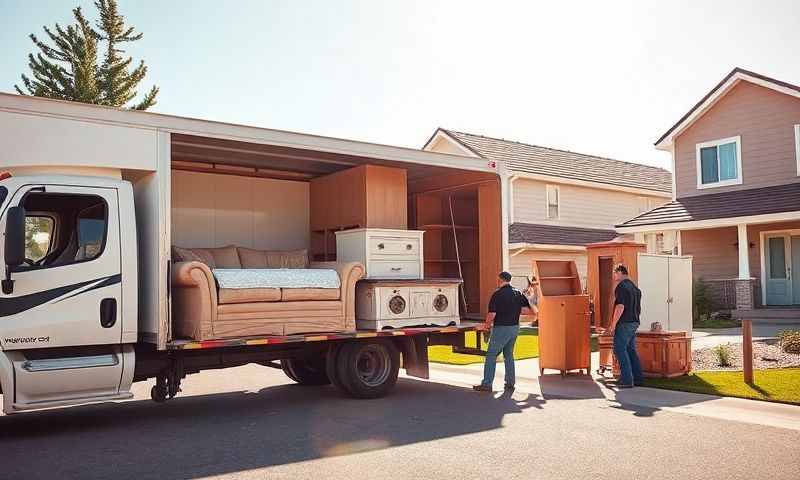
[4,175]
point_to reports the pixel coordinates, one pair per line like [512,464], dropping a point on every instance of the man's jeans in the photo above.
[625,350]
[502,340]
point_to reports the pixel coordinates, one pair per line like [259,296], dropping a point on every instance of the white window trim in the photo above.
[715,143]
[797,147]
[549,188]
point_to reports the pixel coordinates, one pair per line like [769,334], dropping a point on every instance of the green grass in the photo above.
[706,322]
[773,385]
[527,346]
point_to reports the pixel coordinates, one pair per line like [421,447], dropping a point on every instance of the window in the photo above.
[796,146]
[719,163]
[552,201]
[3,193]
[38,236]
[646,204]
[91,232]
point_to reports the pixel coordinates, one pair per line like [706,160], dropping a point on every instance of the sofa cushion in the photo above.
[229,296]
[201,255]
[225,257]
[293,294]
[251,258]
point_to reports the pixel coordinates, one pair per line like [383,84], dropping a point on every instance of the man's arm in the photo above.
[489,319]
[618,309]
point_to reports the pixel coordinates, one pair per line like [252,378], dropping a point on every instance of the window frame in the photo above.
[797,147]
[716,143]
[549,188]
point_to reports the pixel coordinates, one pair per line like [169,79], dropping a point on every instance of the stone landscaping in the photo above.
[765,355]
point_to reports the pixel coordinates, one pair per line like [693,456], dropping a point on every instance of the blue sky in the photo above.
[605,78]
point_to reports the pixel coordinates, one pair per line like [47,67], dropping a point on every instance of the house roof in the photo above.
[739,203]
[557,235]
[533,159]
[735,76]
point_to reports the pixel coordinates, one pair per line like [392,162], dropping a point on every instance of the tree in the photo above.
[69,69]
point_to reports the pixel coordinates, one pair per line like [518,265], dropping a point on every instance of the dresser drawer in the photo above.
[394,269]
[408,247]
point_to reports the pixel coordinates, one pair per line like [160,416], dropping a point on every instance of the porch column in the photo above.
[744,259]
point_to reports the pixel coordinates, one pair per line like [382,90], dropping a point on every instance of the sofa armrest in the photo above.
[194,300]
[349,274]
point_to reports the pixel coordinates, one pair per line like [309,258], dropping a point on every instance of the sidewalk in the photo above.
[552,386]
[706,338]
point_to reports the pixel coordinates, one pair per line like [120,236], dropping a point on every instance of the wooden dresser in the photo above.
[385,253]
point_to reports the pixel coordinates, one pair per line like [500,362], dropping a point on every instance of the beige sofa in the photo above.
[202,311]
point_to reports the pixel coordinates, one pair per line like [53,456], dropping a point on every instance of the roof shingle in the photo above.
[525,158]
[557,235]
[739,203]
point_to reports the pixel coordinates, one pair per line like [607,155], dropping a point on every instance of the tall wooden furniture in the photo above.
[563,317]
[385,253]
[667,282]
[602,257]
[367,196]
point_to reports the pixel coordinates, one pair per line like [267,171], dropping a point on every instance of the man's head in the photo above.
[504,278]
[620,272]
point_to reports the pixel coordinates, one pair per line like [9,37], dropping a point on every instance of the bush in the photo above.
[702,301]
[790,341]
[723,354]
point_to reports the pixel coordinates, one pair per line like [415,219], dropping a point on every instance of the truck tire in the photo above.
[331,363]
[368,369]
[306,371]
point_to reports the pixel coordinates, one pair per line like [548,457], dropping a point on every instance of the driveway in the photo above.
[705,338]
[250,422]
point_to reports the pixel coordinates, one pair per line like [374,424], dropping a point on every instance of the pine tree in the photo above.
[69,70]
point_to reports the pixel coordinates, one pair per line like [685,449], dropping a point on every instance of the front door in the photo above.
[782,262]
[61,325]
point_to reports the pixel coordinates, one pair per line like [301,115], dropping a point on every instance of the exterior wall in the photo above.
[765,121]
[715,256]
[212,210]
[443,145]
[522,264]
[579,206]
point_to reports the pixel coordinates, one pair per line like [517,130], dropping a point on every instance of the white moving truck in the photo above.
[92,200]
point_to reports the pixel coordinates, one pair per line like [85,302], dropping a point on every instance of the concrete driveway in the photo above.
[250,422]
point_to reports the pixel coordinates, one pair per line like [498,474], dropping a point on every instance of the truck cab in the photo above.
[68,305]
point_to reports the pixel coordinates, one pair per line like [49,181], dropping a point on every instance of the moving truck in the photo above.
[92,199]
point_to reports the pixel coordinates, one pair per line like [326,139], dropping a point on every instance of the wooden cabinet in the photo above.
[662,354]
[563,317]
[384,253]
[666,284]
[368,196]
[602,257]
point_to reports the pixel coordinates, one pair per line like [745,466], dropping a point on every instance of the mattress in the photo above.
[239,278]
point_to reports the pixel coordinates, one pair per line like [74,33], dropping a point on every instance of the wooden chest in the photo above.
[406,303]
[662,354]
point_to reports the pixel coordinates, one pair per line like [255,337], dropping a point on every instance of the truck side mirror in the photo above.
[14,251]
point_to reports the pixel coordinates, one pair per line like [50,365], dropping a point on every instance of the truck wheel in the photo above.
[331,363]
[368,369]
[306,371]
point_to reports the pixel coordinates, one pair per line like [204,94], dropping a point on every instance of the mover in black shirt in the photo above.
[624,323]
[505,307]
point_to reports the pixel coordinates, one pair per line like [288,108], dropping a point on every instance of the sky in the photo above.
[605,78]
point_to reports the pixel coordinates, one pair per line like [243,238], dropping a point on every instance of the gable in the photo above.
[443,144]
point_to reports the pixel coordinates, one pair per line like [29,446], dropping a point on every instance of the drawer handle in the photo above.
[408,246]
[396,269]
[380,246]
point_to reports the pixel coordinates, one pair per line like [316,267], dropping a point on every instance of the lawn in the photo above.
[773,385]
[527,346]
[719,322]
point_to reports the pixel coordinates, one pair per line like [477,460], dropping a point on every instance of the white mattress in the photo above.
[276,278]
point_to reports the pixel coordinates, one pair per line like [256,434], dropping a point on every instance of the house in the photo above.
[560,201]
[736,191]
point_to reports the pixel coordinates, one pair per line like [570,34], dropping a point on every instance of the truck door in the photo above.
[61,325]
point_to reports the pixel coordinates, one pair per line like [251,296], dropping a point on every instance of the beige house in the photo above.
[560,200]
[736,206]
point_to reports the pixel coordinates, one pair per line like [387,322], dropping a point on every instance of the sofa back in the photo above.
[232,256]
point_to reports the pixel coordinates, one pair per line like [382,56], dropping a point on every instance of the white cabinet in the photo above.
[406,303]
[666,285]
[386,254]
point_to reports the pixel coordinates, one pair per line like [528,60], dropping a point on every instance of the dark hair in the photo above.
[621,268]
[505,276]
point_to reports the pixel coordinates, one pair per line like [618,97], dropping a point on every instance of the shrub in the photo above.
[790,341]
[702,301]
[723,354]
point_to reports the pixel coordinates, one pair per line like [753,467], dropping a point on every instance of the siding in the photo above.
[522,264]
[715,256]
[579,206]
[765,121]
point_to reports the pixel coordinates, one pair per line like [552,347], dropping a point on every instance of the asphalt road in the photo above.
[250,422]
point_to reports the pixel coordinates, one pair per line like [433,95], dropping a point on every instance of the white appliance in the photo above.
[666,285]
[406,303]
[385,253]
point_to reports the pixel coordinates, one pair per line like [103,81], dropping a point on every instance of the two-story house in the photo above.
[560,201]
[736,205]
